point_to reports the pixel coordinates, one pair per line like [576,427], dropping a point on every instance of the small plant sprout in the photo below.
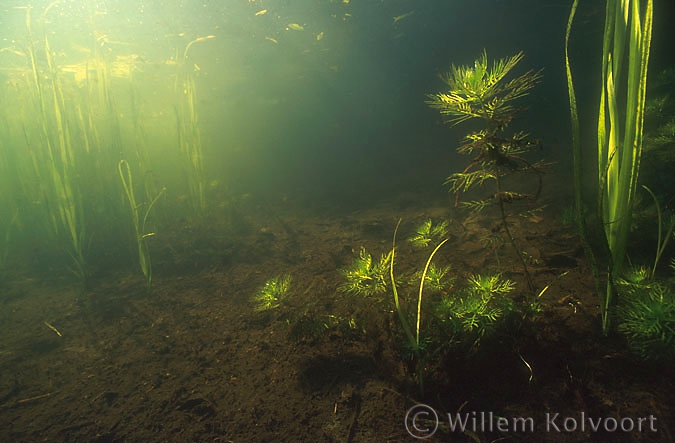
[428,233]
[647,320]
[488,285]
[637,275]
[272,293]
[481,308]
[366,277]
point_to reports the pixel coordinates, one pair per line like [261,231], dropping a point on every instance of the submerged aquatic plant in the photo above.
[479,309]
[369,277]
[481,92]
[272,293]
[646,317]
[488,285]
[661,239]
[139,220]
[635,276]
[625,58]
[187,125]
[58,163]
[432,314]
[436,279]
[414,343]
[427,234]
[365,276]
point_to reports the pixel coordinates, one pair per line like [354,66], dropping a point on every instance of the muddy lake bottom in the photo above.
[193,361]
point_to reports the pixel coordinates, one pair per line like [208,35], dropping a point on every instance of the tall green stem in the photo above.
[401,316]
[620,143]
[578,162]
[189,136]
[625,56]
[413,340]
[66,214]
[661,240]
[419,297]
[138,222]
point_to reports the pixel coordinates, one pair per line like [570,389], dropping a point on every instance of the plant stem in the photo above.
[419,298]
[577,161]
[619,132]
[139,226]
[404,322]
[661,241]
[620,143]
[505,223]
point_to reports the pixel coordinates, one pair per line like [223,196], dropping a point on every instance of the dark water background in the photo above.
[366,133]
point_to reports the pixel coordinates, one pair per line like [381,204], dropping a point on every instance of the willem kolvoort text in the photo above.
[552,422]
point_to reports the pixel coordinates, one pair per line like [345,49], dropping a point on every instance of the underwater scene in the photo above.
[337,220]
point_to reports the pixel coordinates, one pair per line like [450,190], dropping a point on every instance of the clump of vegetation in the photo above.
[619,134]
[272,293]
[647,317]
[433,314]
[415,343]
[365,276]
[478,309]
[646,311]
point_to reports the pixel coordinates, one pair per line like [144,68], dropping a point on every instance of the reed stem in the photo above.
[137,221]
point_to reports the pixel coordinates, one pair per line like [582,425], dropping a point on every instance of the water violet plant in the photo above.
[272,293]
[480,92]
